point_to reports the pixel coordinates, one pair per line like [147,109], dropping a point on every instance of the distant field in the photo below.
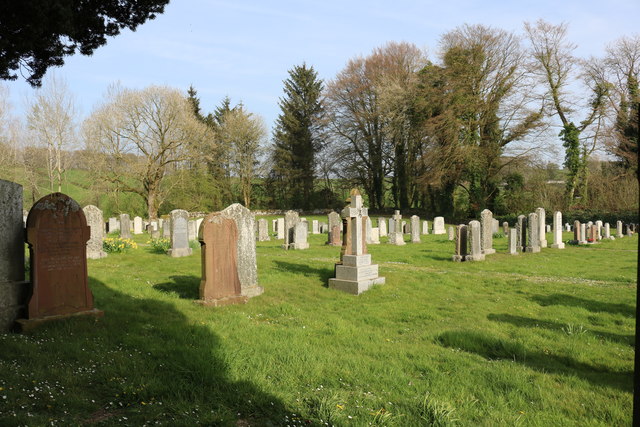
[536,339]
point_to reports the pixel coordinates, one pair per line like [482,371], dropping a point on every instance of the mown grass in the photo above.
[535,339]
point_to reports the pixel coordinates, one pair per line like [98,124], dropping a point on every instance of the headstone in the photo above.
[542,229]
[166,228]
[496,226]
[607,232]
[368,227]
[179,234]
[396,237]
[475,242]
[355,273]
[382,226]
[567,226]
[521,232]
[557,231]
[192,232]
[13,289]
[94,218]
[406,228]
[619,234]
[577,239]
[57,234]
[198,223]
[512,234]
[335,234]
[629,230]
[228,248]
[291,218]
[125,226]
[280,228]
[300,232]
[438,225]
[263,231]
[486,223]
[451,232]
[461,243]
[114,225]
[425,227]
[505,228]
[274,226]
[415,229]
[315,228]
[533,233]
[375,236]
[548,228]
[137,225]
[583,234]
[598,230]
[592,236]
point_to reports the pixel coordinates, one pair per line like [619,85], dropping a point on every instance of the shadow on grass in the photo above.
[143,363]
[493,348]
[187,287]
[594,306]
[436,255]
[322,273]
[528,322]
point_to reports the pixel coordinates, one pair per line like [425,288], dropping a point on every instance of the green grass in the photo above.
[535,339]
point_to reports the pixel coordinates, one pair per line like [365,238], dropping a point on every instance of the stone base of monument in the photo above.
[543,244]
[252,291]
[489,251]
[532,249]
[356,274]
[177,253]
[478,257]
[557,246]
[96,255]
[457,258]
[219,302]
[26,325]
[298,246]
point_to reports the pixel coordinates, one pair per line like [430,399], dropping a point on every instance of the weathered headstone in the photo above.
[335,235]
[228,248]
[125,226]
[577,239]
[567,227]
[355,273]
[300,236]
[505,228]
[382,226]
[137,225]
[607,232]
[598,230]
[583,234]
[280,229]
[274,226]
[291,218]
[375,236]
[496,226]
[415,229]
[533,233]
[451,234]
[94,218]
[475,242]
[486,223]
[542,229]
[13,289]
[57,234]
[263,231]
[512,234]
[438,225]
[406,228]
[114,225]
[461,243]
[179,234]
[192,232]
[592,234]
[425,227]
[166,228]
[315,228]
[557,231]
[619,234]
[521,232]
[368,227]
[395,236]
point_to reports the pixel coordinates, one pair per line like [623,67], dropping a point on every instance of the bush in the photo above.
[117,244]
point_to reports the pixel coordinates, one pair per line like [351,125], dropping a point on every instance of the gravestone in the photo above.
[629,230]
[576,233]
[521,232]
[557,231]
[548,228]
[355,274]
[438,225]
[542,229]
[228,251]
[291,218]
[263,232]
[425,227]
[607,232]
[598,230]
[274,226]
[567,227]
[192,232]
[533,233]
[486,223]
[406,228]
[415,229]
[315,228]
[512,234]
[13,289]
[461,243]
[137,225]
[335,236]
[382,226]
[474,237]
[375,236]
[179,234]
[505,228]
[583,234]
[592,234]
[451,234]
[94,218]
[368,227]
[114,225]
[619,234]
[57,234]
[280,229]
[300,236]
[198,223]
[166,228]
[125,226]
[395,225]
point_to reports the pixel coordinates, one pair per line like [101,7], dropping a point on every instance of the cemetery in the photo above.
[238,325]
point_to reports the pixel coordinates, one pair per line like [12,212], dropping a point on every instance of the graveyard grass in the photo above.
[536,339]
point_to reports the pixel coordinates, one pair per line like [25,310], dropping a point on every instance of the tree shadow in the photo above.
[594,306]
[322,273]
[186,287]
[436,255]
[492,348]
[528,322]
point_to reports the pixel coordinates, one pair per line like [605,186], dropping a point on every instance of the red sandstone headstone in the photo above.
[57,234]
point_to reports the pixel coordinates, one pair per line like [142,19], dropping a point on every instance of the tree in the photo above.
[52,124]
[297,137]
[245,132]
[139,136]
[555,66]
[36,35]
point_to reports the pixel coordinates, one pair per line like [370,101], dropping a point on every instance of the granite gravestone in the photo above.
[486,224]
[263,231]
[533,234]
[461,243]
[415,229]
[542,228]
[475,242]
[335,237]
[557,231]
[125,226]
[179,234]
[94,218]
[438,225]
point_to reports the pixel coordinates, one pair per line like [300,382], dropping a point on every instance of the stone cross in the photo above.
[395,236]
[354,214]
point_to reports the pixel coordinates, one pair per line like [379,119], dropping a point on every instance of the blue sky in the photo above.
[243,49]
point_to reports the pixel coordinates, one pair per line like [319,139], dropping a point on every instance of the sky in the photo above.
[244,49]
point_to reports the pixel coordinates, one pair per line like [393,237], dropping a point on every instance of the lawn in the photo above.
[534,339]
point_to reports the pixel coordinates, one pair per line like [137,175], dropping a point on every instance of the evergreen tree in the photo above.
[296,137]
